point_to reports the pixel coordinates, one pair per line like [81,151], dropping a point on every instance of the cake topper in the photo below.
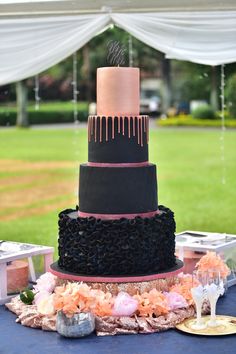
[116,53]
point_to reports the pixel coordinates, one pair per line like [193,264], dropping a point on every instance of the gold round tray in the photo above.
[227,325]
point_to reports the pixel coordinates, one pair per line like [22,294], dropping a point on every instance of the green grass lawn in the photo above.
[39,177]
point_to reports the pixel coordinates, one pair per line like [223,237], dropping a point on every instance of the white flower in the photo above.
[40,296]
[45,306]
[46,282]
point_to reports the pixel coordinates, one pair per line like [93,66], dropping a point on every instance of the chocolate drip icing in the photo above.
[100,121]
[139,127]
[133,119]
[118,118]
[95,128]
[123,125]
[129,128]
[106,128]
[113,127]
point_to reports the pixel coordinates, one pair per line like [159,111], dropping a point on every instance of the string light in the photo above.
[222,114]
[36,92]
[130,41]
[74,84]
[75,93]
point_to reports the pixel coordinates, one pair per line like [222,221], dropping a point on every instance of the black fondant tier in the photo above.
[90,246]
[117,190]
[118,139]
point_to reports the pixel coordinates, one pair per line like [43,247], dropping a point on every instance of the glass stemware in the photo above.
[214,289]
[199,283]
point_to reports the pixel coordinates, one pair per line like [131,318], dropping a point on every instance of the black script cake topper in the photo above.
[116,53]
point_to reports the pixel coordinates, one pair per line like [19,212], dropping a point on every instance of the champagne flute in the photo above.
[199,283]
[214,289]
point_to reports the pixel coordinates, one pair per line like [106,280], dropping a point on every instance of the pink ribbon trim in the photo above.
[102,164]
[117,216]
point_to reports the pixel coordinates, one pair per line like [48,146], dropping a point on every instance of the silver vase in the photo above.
[79,325]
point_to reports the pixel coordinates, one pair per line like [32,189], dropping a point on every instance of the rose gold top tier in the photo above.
[117,91]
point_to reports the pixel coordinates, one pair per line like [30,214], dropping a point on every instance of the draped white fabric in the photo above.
[29,46]
[200,37]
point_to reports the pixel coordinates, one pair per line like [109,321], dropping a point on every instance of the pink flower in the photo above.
[46,282]
[175,300]
[124,305]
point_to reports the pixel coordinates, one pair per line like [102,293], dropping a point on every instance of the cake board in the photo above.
[161,281]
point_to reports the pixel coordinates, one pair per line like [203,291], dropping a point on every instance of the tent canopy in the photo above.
[49,7]
[37,35]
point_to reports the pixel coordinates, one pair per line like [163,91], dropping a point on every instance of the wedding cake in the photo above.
[118,228]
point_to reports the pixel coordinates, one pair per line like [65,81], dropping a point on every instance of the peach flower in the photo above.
[103,303]
[79,297]
[213,261]
[152,303]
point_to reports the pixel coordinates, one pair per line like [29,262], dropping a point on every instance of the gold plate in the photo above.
[227,326]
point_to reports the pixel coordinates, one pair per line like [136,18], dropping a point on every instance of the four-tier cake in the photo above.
[118,228]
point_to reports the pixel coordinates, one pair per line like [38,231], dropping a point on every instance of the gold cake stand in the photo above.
[227,325]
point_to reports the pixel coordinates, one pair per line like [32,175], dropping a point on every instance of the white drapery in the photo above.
[29,46]
[200,37]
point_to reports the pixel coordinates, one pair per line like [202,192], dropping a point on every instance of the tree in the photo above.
[22,114]
[167,90]
[231,95]
[214,94]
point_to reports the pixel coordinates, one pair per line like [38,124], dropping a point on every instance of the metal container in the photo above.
[79,325]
